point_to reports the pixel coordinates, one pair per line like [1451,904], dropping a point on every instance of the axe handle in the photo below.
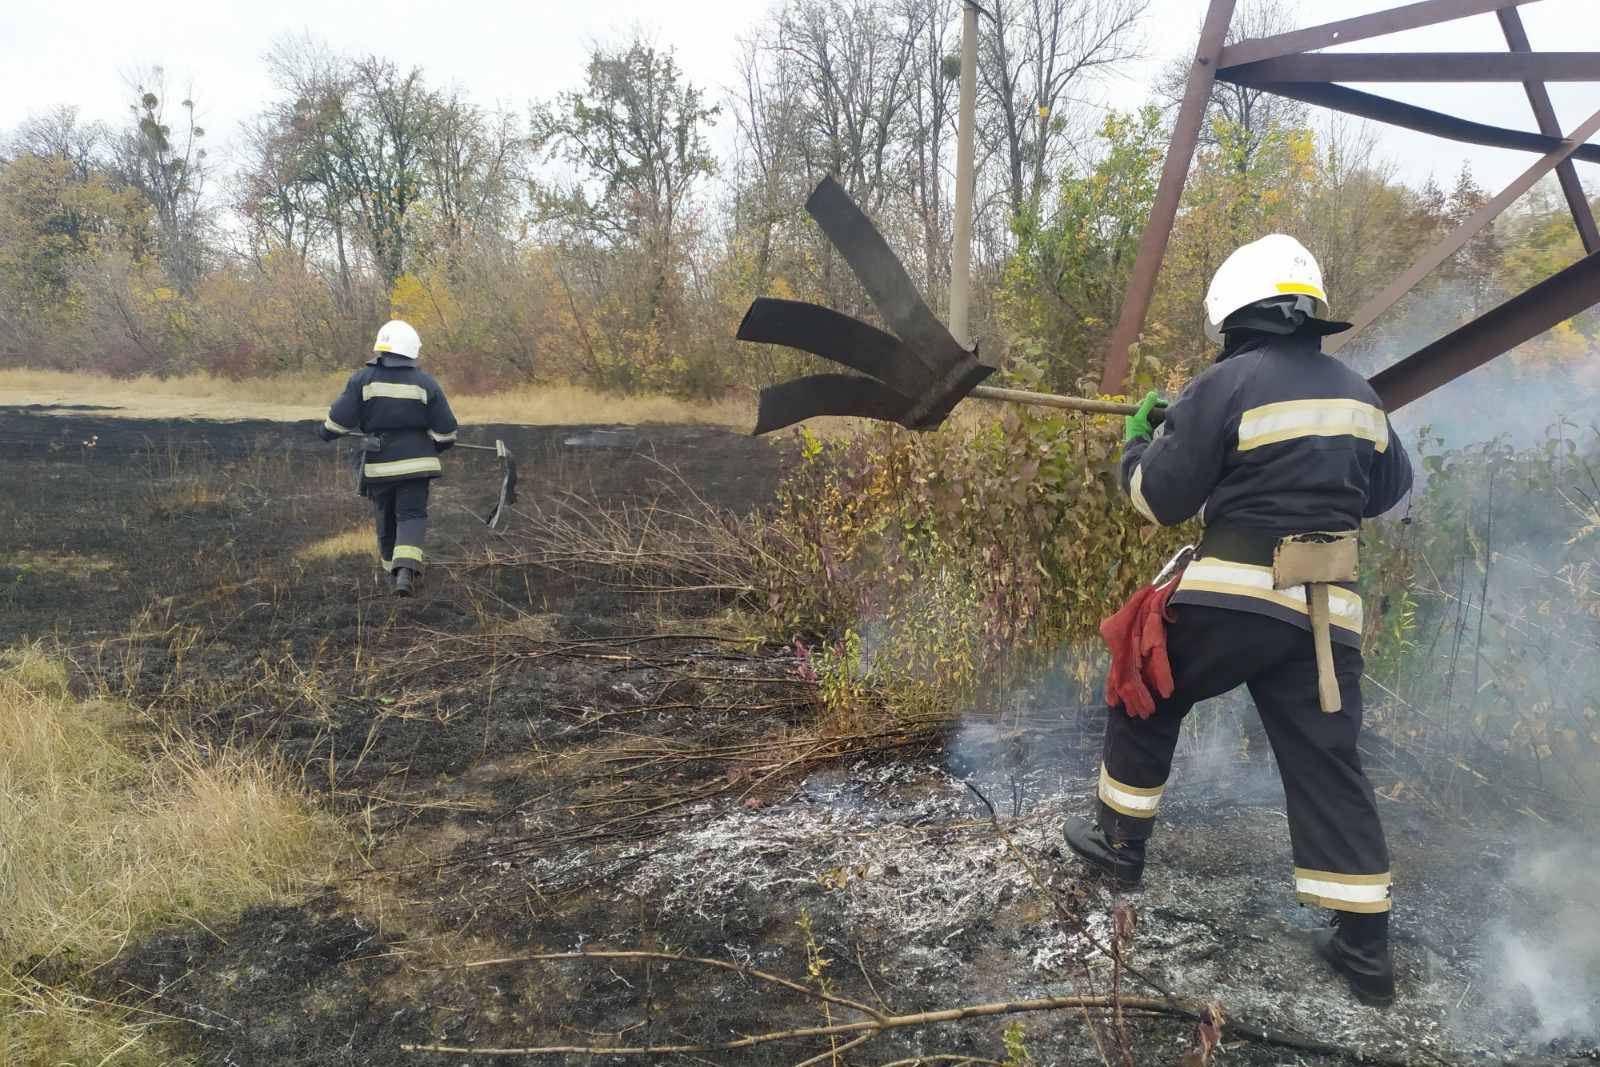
[1050,400]
[459,444]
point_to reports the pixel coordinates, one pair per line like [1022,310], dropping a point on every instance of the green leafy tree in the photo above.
[1062,289]
[636,133]
[55,225]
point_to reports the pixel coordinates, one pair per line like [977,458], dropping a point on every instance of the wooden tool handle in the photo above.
[1322,638]
[1067,403]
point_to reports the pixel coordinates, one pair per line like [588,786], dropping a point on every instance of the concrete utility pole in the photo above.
[961,251]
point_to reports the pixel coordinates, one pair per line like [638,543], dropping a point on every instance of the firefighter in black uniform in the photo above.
[1274,440]
[405,422]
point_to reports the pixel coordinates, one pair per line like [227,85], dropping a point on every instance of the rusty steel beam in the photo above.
[1544,111]
[1174,173]
[1420,67]
[1460,236]
[1411,117]
[1522,318]
[1377,24]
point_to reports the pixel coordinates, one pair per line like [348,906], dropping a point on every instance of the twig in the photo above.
[832,1053]
[871,1026]
[675,957]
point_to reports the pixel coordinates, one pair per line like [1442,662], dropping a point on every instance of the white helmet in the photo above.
[397,338]
[1276,265]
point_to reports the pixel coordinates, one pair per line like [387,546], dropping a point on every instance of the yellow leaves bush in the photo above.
[961,558]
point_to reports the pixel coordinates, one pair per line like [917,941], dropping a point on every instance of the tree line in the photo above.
[597,237]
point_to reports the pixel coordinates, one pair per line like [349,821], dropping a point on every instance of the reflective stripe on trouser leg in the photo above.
[1129,800]
[1342,892]
[1340,857]
[411,523]
[1134,766]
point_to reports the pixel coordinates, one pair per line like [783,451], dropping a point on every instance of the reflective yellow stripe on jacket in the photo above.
[1210,575]
[398,467]
[1136,494]
[394,391]
[1270,424]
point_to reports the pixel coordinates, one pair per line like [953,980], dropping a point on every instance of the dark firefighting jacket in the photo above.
[404,409]
[1276,438]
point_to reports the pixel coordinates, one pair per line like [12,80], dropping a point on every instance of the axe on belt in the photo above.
[508,480]
[913,376]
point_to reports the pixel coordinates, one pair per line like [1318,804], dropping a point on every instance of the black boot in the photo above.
[1120,860]
[1357,946]
[403,579]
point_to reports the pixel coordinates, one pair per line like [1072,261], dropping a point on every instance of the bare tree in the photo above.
[169,167]
[57,134]
[472,161]
[1253,113]
[770,175]
[316,96]
[852,59]
[1032,54]
[273,193]
[936,72]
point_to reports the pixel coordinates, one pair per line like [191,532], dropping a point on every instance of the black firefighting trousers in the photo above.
[401,511]
[1340,858]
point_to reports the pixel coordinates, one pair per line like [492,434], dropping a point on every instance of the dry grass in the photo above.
[306,396]
[67,564]
[101,847]
[340,546]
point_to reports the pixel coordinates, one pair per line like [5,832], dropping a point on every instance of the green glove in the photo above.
[1138,424]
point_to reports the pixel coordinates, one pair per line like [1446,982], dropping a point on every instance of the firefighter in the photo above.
[404,421]
[1274,440]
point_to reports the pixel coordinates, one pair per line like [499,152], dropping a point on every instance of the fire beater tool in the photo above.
[917,374]
[913,376]
[508,479]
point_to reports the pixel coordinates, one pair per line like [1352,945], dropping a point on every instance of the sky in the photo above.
[513,52]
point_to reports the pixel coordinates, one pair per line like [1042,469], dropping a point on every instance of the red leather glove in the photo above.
[1137,638]
[1125,685]
[1154,666]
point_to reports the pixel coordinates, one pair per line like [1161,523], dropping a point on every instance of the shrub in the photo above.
[964,558]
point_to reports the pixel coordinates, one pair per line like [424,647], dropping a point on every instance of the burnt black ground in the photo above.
[163,558]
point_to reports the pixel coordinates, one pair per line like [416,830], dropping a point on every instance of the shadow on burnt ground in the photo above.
[558,785]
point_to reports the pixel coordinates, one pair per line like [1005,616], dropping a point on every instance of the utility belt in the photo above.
[1312,560]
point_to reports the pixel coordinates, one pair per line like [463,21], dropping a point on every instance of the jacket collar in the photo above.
[1239,342]
[389,359]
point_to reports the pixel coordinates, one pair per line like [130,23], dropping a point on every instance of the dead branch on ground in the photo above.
[1212,1026]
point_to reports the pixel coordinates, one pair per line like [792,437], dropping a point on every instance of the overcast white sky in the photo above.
[511,52]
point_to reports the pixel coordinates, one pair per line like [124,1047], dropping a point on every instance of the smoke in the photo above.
[1546,953]
[1518,395]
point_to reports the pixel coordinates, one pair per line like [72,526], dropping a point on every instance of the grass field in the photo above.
[101,848]
[306,396]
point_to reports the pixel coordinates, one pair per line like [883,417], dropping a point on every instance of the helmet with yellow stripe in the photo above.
[1276,275]
[398,338]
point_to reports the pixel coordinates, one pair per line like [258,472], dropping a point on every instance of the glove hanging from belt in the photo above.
[1137,637]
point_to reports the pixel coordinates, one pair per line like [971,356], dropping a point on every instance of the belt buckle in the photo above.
[1180,559]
